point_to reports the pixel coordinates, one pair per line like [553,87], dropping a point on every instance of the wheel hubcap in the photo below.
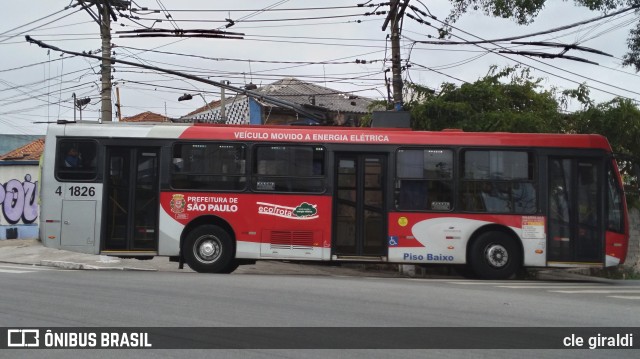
[207,249]
[497,255]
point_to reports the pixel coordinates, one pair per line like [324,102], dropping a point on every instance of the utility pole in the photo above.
[118,105]
[105,73]
[103,17]
[395,17]
[223,105]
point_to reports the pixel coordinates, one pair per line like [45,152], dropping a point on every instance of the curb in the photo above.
[21,263]
[569,275]
[82,266]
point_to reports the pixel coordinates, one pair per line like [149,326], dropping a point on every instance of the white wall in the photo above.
[19,200]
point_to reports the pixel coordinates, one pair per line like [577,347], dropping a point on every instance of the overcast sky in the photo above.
[37,85]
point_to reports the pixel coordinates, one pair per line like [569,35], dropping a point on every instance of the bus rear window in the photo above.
[76,160]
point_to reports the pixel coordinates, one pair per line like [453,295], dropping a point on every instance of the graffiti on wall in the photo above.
[19,200]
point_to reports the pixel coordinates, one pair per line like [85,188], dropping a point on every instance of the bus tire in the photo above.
[465,272]
[494,255]
[233,265]
[209,249]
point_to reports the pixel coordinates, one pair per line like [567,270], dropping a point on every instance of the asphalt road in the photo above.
[54,298]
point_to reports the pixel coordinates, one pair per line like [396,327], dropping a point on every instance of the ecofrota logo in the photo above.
[23,338]
[303,211]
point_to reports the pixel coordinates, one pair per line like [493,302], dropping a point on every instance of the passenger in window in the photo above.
[317,168]
[413,195]
[177,164]
[524,197]
[492,199]
[73,158]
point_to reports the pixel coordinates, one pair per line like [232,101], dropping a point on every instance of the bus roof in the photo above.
[316,134]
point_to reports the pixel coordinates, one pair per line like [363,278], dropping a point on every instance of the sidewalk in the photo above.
[32,252]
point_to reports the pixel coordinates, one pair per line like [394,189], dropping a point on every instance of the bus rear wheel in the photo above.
[209,249]
[494,255]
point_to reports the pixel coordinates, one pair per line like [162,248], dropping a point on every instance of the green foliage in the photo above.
[581,94]
[619,121]
[632,58]
[525,11]
[489,104]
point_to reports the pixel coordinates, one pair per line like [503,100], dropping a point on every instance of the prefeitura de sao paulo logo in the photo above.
[177,203]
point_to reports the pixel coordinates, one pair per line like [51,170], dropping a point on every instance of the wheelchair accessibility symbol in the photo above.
[393,241]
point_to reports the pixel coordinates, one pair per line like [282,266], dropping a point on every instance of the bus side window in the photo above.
[495,200]
[76,160]
[413,195]
[498,182]
[424,179]
[289,168]
[524,197]
[208,166]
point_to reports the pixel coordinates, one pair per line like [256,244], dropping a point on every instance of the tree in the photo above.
[619,121]
[525,11]
[504,100]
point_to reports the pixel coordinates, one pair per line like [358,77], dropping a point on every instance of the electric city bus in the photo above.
[219,196]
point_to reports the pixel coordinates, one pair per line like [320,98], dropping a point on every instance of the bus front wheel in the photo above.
[209,249]
[494,255]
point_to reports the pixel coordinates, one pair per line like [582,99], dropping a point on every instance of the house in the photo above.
[19,191]
[146,117]
[338,108]
[13,141]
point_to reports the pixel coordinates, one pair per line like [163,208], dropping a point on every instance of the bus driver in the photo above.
[72,159]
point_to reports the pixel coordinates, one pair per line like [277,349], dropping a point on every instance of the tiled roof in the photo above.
[213,104]
[300,92]
[29,152]
[290,90]
[236,111]
[146,117]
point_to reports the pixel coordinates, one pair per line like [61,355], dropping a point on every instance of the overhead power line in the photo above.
[32,22]
[218,34]
[547,72]
[135,10]
[25,31]
[263,20]
[300,109]
[549,31]
[356,61]
[497,52]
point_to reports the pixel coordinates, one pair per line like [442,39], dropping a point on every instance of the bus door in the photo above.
[575,211]
[131,200]
[360,215]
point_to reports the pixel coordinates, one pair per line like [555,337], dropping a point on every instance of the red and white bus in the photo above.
[218,196]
